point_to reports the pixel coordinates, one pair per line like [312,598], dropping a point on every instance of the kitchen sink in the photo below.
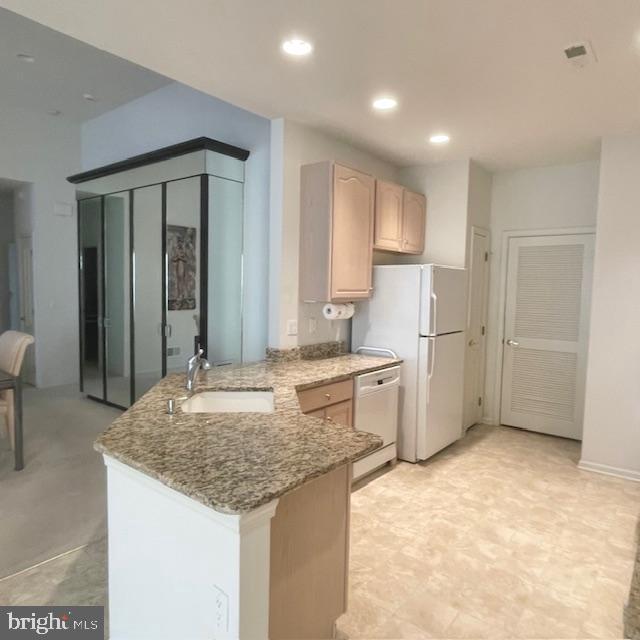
[229,402]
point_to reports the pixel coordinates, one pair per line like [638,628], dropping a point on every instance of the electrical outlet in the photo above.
[220,610]
[313,325]
[292,327]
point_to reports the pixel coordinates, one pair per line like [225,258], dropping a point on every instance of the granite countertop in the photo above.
[235,462]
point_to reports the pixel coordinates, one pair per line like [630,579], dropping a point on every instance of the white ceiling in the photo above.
[491,73]
[64,69]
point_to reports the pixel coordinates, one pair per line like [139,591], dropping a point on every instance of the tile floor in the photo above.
[499,536]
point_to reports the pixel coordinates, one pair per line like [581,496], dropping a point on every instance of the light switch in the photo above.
[292,327]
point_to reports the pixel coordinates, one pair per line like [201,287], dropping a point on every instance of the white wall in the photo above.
[561,196]
[611,436]
[176,113]
[294,145]
[447,189]
[42,150]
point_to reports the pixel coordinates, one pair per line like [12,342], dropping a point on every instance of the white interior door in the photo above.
[546,331]
[25,272]
[476,328]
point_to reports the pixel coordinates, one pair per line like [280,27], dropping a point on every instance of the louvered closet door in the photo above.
[546,329]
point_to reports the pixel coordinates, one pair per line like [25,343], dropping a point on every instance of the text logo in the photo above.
[23,623]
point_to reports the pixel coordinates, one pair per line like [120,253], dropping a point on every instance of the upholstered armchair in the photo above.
[13,346]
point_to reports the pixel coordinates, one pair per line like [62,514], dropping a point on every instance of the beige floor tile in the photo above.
[468,627]
[499,536]
[429,611]
[364,618]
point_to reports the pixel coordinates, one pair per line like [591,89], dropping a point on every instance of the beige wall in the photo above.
[293,145]
[611,437]
[559,196]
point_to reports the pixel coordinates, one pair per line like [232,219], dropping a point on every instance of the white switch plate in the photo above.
[220,611]
[292,327]
[313,325]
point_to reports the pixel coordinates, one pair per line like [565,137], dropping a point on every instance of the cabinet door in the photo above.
[340,413]
[388,218]
[352,234]
[413,222]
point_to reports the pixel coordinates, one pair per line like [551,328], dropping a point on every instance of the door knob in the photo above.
[513,343]
[472,343]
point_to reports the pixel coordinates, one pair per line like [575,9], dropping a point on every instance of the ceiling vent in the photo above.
[580,54]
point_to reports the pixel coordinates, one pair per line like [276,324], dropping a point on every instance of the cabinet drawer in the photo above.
[323,396]
[340,413]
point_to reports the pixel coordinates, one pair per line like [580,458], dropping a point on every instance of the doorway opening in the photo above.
[16,266]
[476,330]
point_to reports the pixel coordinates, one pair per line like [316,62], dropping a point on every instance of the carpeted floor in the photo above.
[57,502]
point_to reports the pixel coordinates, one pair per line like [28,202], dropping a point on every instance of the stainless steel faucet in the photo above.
[194,364]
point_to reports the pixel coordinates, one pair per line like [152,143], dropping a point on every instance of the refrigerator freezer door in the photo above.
[440,393]
[443,304]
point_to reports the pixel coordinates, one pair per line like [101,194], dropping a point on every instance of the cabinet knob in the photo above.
[327,396]
[329,419]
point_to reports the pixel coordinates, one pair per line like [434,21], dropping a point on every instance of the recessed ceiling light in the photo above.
[385,103]
[89,97]
[297,47]
[25,57]
[439,138]
[54,112]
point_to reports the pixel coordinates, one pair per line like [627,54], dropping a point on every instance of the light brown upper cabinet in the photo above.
[336,233]
[400,219]
[414,220]
[388,219]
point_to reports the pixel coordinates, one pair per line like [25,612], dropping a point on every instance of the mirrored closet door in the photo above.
[105,298]
[160,250]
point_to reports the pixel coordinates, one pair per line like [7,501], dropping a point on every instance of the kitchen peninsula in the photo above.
[232,524]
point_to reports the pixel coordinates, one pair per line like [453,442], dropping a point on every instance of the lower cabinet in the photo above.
[309,559]
[333,402]
[340,413]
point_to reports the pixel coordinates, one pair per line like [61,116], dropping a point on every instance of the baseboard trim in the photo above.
[605,469]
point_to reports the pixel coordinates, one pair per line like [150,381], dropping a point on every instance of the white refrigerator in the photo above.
[419,312]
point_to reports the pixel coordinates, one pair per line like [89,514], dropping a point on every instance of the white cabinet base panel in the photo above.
[178,569]
[373,461]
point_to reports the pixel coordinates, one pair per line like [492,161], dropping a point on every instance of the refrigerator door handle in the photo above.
[430,362]
[432,356]
[434,314]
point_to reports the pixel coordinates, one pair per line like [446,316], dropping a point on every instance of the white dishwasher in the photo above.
[376,411]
